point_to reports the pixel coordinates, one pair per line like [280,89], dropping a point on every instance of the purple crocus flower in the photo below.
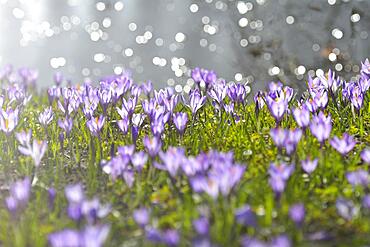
[259,100]
[196,101]
[201,226]
[309,165]
[218,93]
[24,137]
[8,120]
[123,125]
[171,237]
[365,69]
[280,241]
[66,124]
[141,217]
[66,237]
[128,107]
[277,106]
[359,177]
[344,145]
[297,213]
[172,160]
[366,201]
[180,119]
[279,175]
[346,208]
[356,96]
[95,125]
[36,151]
[153,234]
[52,194]
[94,235]
[139,160]
[365,155]
[302,116]
[287,139]
[46,117]
[278,136]
[152,145]
[75,196]
[245,216]
[19,194]
[321,127]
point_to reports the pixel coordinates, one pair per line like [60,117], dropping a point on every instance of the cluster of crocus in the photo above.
[88,236]
[36,150]
[80,207]
[19,195]
[213,173]
[93,233]
[284,138]
[359,177]
[125,164]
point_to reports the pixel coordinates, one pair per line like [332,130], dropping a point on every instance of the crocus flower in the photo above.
[280,241]
[196,101]
[287,139]
[24,137]
[36,151]
[302,116]
[180,119]
[152,145]
[66,125]
[52,194]
[321,127]
[94,235]
[171,237]
[359,177]
[123,125]
[46,116]
[297,213]
[344,145]
[279,175]
[8,120]
[309,165]
[19,194]
[346,208]
[172,160]
[356,97]
[365,155]
[365,69]
[67,237]
[139,160]
[366,201]
[141,216]
[245,216]
[201,226]
[218,93]
[259,100]
[91,235]
[95,125]
[277,106]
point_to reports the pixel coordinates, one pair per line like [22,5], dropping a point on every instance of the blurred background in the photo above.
[254,41]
